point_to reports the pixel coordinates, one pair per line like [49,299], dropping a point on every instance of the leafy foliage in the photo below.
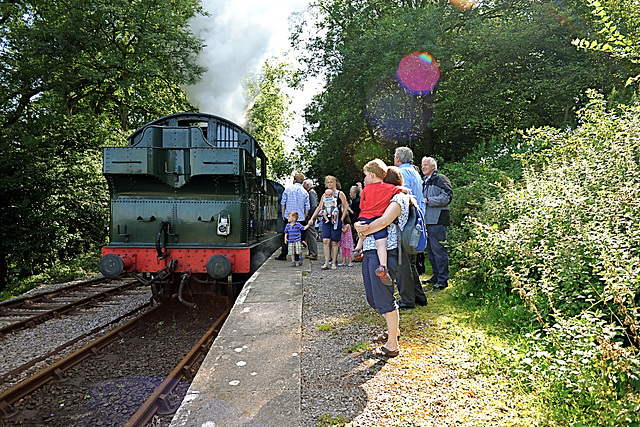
[565,244]
[97,56]
[504,65]
[82,266]
[618,22]
[77,76]
[481,176]
[268,114]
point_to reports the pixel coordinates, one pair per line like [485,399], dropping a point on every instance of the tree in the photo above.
[619,34]
[514,71]
[364,42]
[98,56]
[268,113]
[78,75]
[504,65]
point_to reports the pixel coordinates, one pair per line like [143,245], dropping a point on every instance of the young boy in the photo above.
[375,198]
[293,237]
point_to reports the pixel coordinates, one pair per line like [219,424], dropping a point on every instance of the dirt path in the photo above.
[434,381]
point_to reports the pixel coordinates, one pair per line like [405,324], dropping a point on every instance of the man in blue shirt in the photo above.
[408,281]
[294,199]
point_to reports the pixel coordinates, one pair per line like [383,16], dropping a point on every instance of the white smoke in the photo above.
[239,36]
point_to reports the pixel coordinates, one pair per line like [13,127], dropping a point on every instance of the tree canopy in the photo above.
[76,76]
[74,56]
[618,35]
[268,114]
[504,65]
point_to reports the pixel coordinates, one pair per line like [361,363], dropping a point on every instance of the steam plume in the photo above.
[238,35]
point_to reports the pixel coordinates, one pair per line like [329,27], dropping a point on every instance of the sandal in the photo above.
[325,266]
[383,337]
[333,267]
[384,352]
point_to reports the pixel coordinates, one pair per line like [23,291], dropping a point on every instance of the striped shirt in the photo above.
[294,232]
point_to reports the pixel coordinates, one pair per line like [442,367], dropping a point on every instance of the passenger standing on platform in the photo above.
[420,256]
[437,193]
[408,281]
[293,237]
[373,201]
[354,204]
[380,296]
[330,212]
[354,214]
[346,243]
[294,199]
[331,236]
[312,241]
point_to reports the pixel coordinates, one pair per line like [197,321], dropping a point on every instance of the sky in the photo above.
[239,36]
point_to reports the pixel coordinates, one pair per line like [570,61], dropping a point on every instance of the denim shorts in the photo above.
[380,234]
[328,232]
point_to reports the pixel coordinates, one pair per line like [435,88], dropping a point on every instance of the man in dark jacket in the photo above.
[437,192]
[312,242]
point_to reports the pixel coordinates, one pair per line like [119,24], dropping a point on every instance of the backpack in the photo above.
[413,239]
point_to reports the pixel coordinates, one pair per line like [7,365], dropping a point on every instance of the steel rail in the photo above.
[158,402]
[24,301]
[40,318]
[56,371]
[58,349]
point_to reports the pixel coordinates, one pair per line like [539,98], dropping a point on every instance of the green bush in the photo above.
[481,176]
[82,265]
[564,242]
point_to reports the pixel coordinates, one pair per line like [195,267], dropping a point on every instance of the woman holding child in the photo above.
[379,295]
[331,228]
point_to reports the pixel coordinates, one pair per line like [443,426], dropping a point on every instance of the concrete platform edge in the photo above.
[251,375]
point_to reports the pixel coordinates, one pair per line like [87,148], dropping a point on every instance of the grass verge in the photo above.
[477,355]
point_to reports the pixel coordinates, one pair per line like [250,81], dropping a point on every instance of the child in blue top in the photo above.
[293,237]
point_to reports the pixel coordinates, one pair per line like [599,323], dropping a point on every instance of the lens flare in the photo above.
[463,4]
[418,73]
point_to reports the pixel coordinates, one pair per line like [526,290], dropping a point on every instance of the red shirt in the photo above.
[375,199]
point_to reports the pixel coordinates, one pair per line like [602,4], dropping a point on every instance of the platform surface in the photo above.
[251,375]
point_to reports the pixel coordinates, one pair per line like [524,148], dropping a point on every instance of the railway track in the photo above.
[159,404]
[58,369]
[29,311]
[59,320]
[17,403]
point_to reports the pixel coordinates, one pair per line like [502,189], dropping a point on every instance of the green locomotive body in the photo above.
[189,195]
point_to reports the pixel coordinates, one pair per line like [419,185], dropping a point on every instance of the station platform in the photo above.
[251,375]
[296,351]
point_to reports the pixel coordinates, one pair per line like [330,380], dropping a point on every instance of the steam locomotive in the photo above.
[190,205]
